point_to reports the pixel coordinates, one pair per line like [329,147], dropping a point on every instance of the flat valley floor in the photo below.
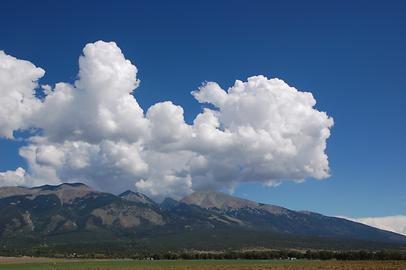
[27,263]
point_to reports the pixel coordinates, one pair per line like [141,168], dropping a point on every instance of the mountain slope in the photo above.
[66,192]
[278,219]
[136,197]
[71,213]
[48,210]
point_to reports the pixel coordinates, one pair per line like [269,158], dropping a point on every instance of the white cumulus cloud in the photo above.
[99,105]
[18,80]
[395,224]
[13,178]
[93,130]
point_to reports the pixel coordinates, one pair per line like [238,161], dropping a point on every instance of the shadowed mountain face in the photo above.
[76,209]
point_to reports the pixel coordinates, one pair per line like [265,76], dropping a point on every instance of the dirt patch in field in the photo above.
[25,259]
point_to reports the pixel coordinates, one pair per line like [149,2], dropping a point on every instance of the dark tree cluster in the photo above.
[113,252]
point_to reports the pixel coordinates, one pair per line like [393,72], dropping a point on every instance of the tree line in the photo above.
[281,254]
[208,255]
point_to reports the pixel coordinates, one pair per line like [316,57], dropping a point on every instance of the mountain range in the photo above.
[75,215]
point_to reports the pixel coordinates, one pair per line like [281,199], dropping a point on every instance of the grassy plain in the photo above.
[55,264]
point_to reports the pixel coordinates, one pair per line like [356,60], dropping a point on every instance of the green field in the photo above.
[141,264]
[26,264]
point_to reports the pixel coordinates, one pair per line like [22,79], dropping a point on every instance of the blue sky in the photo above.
[351,56]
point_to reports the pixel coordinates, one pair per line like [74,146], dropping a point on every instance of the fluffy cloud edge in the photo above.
[13,178]
[396,223]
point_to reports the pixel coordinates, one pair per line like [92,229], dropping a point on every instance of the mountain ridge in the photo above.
[77,209]
[65,191]
[222,201]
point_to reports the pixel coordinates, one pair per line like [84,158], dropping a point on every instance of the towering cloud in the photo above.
[94,131]
[18,79]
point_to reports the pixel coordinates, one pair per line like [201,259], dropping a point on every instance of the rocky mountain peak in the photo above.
[225,202]
[168,203]
[222,201]
[62,186]
[136,197]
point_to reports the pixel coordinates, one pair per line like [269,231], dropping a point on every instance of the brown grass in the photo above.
[63,264]
[330,265]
